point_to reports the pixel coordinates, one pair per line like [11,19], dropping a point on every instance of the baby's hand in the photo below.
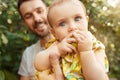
[60,48]
[65,45]
[84,40]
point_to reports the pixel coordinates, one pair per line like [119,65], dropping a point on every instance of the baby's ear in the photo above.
[53,32]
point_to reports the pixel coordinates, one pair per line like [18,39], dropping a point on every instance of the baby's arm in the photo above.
[92,62]
[93,65]
[49,57]
[49,60]
[42,66]
[41,61]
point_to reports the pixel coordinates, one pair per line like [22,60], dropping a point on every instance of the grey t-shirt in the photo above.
[27,62]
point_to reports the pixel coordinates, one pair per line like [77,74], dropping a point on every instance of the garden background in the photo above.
[104,23]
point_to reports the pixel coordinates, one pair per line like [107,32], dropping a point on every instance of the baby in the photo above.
[81,56]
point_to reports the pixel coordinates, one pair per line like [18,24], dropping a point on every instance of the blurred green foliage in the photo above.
[14,38]
[104,23]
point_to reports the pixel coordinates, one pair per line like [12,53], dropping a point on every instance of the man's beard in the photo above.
[43,36]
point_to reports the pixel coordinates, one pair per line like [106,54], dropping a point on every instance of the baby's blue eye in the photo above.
[77,18]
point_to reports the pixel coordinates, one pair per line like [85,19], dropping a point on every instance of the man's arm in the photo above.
[55,63]
[23,68]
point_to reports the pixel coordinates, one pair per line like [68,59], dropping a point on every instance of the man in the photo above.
[34,14]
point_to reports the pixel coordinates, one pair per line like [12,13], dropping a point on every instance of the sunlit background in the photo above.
[104,23]
[113,3]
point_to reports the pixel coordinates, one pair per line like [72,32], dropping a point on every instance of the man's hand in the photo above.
[55,64]
[44,75]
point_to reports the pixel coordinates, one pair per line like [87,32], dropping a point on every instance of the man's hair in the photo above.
[20,2]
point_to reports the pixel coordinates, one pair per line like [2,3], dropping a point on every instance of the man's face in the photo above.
[34,13]
[68,17]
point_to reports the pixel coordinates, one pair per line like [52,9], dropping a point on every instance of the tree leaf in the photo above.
[2,76]
[4,39]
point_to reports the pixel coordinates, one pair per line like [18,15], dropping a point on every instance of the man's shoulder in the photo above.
[34,45]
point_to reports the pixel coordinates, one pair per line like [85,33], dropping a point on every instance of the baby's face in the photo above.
[67,17]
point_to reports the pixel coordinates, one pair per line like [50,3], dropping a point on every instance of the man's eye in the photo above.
[77,18]
[62,24]
[27,16]
[39,11]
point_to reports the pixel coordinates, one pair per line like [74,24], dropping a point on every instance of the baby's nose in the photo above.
[72,27]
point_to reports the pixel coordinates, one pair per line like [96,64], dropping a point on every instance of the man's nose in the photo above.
[37,17]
